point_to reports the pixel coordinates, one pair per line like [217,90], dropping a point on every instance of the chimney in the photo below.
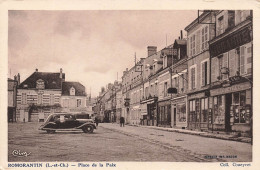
[126,69]
[181,35]
[15,78]
[61,73]
[151,50]
[36,70]
[18,79]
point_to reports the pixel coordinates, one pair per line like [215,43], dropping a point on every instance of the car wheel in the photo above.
[50,131]
[88,129]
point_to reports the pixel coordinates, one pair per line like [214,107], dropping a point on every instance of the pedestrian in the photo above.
[122,121]
[96,120]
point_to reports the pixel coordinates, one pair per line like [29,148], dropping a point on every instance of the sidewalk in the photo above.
[216,135]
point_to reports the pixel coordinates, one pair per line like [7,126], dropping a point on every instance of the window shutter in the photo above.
[225,64]
[242,60]
[202,39]
[203,74]
[208,72]
[198,42]
[232,63]
[206,37]
[248,58]
[214,66]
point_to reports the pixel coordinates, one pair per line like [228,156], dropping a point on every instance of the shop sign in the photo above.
[198,95]
[230,89]
[230,42]
[180,100]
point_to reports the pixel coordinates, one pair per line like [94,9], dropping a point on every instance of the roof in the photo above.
[51,80]
[79,88]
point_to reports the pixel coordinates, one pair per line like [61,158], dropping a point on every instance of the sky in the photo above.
[92,46]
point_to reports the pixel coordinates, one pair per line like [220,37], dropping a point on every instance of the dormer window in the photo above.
[72,91]
[40,84]
[25,86]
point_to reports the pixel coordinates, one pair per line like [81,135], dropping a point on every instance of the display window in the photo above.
[239,102]
[204,110]
[219,109]
[181,112]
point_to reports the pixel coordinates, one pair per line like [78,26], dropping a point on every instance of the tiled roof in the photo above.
[79,88]
[51,80]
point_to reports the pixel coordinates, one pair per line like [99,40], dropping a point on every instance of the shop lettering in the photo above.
[230,89]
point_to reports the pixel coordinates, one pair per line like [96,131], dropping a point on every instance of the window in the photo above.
[219,109]
[78,102]
[239,101]
[204,110]
[72,91]
[24,100]
[231,18]
[192,111]
[181,112]
[204,38]
[192,45]
[220,28]
[165,89]
[205,73]
[192,77]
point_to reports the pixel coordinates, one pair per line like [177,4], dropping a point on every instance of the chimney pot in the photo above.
[36,70]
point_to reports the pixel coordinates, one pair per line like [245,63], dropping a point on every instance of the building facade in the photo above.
[12,92]
[39,95]
[231,53]
[199,33]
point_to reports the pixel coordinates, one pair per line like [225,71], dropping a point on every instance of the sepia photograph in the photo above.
[93,88]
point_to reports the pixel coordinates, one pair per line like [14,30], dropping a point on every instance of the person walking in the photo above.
[96,120]
[122,121]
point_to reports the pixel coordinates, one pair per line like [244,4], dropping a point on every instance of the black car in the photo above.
[68,121]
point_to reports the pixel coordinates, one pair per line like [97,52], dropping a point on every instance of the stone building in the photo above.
[231,53]
[39,95]
[12,92]
[199,33]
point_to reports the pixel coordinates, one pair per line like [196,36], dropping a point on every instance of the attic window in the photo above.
[25,85]
[72,91]
[40,84]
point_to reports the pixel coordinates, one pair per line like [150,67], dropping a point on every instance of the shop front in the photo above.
[198,112]
[164,113]
[179,116]
[232,108]
[148,112]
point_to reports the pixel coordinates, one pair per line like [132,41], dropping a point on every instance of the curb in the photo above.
[202,134]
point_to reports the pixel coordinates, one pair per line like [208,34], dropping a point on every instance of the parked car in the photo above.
[68,121]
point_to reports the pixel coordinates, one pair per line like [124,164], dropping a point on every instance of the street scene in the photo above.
[115,89]
[110,142]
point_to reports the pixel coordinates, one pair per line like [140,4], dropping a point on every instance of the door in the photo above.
[227,112]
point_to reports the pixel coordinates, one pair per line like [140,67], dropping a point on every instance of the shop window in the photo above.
[204,110]
[239,102]
[219,109]
[192,111]
[181,112]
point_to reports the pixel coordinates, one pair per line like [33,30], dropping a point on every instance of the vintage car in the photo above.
[68,121]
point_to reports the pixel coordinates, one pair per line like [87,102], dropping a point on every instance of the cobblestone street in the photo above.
[113,143]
